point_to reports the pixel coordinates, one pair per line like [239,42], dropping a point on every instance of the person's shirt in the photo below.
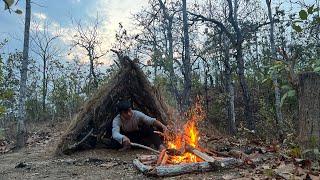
[129,125]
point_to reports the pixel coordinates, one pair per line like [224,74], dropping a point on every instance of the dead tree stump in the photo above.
[309,110]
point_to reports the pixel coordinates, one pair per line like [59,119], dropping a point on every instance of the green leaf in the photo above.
[291,93]
[8,4]
[310,9]
[18,11]
[297,28]
[303,15]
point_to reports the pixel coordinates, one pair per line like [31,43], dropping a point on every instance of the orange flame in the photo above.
[189,136]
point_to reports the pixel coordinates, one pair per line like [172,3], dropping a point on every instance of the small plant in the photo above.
[2,134]
[295,152]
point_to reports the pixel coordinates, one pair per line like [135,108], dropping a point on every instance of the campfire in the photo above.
[183,153]
[180,144]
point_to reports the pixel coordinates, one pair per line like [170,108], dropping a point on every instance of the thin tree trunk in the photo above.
[44,85]
[92,73]
[21,128]
[173,79]
[240,63]
[186,63]
[230,92]
[274,75]
[245,89]
[169,48]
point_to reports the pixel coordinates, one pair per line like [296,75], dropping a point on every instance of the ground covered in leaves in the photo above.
[36,161]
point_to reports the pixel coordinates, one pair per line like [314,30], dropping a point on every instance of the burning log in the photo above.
[200,154]
[164,159]
[174,152]
[148,159]
[162,153]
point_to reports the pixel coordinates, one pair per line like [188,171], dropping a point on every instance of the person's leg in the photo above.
[148,137]
[110,143]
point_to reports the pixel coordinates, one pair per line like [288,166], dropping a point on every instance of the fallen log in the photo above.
[172,170]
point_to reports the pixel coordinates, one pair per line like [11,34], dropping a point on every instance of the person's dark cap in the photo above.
[123,106]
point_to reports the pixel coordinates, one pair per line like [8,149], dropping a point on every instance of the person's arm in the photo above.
[160,125]
[116,130]
[151,121]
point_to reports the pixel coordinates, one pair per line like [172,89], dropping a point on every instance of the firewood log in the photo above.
[162,153]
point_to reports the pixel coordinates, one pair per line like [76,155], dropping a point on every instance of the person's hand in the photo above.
[126,143]
[165,130]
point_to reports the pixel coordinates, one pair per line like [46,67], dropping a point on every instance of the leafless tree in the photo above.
[89,39]
[44,46]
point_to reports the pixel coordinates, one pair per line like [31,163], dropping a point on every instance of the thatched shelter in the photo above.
[94,118]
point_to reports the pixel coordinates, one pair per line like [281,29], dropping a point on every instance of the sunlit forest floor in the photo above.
[36,161]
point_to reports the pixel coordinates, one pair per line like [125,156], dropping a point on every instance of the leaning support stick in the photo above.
[78,143]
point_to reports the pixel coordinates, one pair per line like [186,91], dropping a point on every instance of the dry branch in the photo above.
[144,147]
[82,140]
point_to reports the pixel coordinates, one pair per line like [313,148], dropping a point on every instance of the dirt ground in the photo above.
[36,161]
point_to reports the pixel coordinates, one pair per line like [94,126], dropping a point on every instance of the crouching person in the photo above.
[134,126]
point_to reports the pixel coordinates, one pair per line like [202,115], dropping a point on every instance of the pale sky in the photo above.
[58,13]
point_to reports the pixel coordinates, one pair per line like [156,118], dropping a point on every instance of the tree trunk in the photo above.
[274,75]
[173,79]
[21,128]
[238,43]
[245,89]
[169,48]
[309,110]
[186,63]
[44,85]
[230,95]
[92,73]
